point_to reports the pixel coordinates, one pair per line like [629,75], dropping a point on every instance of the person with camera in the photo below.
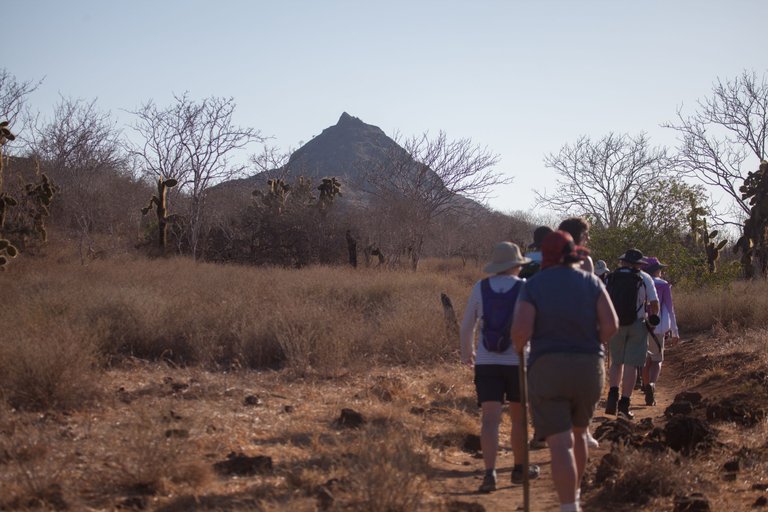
[661,328]
[633,295]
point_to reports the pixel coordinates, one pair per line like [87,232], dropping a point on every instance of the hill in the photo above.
[350,150]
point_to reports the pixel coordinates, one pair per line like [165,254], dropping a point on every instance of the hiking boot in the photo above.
[650,394]
[624,409]
[518,476]
[612,401]
[489,482]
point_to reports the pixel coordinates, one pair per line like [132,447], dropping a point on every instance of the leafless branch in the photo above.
[726,136]
[603,178]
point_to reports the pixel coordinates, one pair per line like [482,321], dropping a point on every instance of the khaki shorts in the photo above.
[629,346]
[656,353]
[564,389]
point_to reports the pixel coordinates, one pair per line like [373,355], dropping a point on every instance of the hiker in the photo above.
[601,270]
[633,295]
[534,252]
[578,228]
[666,328]
[567,315]
[495,361]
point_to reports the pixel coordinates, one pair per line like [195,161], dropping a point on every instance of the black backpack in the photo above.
[623,286]
[529,269]
[498,310]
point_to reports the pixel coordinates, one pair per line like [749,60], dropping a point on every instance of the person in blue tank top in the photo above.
[568,316]
[490,306]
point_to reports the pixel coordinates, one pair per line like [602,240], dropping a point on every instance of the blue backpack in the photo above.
[498,310]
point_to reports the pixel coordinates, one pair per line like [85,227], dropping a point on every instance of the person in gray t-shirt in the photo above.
[567,315]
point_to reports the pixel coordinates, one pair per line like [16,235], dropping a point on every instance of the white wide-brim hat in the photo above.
[505,255]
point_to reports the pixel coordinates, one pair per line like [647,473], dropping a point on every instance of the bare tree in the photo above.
[81,147]
[192,142]
[602,178]
[423,178]
[13,98]
[726,137]
[271,158]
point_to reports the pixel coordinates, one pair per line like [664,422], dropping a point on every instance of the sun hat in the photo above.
[505,255]
[633,256]
[538,235]
[653,264]
[558,248]
[601,267]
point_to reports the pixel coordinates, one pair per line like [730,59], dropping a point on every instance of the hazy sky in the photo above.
[522,78]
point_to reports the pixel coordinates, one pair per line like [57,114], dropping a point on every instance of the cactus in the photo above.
[276,195]
[7,251]
[711,247]
[40,194]
[753,242]
[5,200]
[160,202]
[696,220]
[329,189]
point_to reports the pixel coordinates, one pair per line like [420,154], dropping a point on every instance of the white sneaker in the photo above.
[591,441]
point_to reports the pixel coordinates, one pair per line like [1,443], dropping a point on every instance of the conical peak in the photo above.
[347,119]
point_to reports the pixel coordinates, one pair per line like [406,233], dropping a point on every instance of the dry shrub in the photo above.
[150,457]
[740,304]
[47,362]
[389,470]
[188,312]
[640,476]
[32,475]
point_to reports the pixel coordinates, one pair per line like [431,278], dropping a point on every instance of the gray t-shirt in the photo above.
[565,300]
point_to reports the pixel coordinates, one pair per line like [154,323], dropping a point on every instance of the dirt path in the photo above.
[460,473]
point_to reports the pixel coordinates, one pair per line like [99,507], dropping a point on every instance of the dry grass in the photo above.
[141,370]
[738,305]
[320,319]
[640,477]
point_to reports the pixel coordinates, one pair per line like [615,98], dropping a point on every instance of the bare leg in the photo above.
[615,374]
[654,370]
[647,371]
[565,472]
[518,431]
[489,432]
[580,452]
[628,382]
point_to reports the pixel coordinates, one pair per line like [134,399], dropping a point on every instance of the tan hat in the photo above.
[505,256]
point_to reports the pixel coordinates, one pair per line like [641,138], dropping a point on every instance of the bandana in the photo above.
[558,248]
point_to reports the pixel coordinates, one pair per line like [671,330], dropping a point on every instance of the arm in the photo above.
[650,294]
[672,318]
[522,325]
[607,321]
[468,325]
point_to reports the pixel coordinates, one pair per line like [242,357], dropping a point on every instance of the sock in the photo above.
[518,467]
[570,507]
[578,495]
[490,472]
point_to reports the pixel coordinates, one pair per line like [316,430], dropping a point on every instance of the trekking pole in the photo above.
[524,406]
